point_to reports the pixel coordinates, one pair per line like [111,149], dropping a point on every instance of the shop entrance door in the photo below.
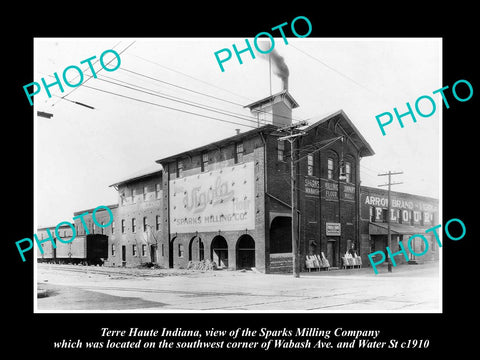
[331,252]
[153,253]
[124,255]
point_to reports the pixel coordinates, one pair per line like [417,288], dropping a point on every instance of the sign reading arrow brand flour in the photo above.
[221,199]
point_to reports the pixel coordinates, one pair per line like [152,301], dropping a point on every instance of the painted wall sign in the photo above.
[331,190]
[221,199]
[348,192]
[398,203]
[312,186]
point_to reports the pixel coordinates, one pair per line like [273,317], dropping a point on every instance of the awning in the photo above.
[397,229]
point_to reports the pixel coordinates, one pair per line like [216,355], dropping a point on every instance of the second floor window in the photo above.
[145,225]
[330,168]
[134,224]
[310,164]
[348,172]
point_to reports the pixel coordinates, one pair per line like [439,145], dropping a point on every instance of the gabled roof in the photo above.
[348,128]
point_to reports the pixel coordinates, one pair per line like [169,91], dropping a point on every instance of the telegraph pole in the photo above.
[293,134]
[389,235]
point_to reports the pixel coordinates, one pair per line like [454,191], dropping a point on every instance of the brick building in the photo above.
[409,215]
[229,201]
[138,217]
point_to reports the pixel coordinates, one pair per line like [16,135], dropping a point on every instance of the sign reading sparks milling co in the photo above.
[222,199]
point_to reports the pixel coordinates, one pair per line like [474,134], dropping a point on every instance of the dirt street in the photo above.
[409,288]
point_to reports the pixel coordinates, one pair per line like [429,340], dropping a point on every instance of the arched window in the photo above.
[349,169]
[330,168]
[332,165]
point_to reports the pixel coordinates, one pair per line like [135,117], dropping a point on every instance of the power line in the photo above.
[190,76]
[182,101]
[178,86]
[64,96]
[168,107]
[199,92]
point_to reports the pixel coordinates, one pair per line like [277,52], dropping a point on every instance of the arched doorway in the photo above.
[196,249]
[219,251]
[245,252]
[281,235]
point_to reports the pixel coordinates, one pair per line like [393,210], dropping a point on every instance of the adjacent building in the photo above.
[409,215]
[136,231]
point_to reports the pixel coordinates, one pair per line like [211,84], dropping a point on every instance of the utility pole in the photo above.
[389,235]
[293,134]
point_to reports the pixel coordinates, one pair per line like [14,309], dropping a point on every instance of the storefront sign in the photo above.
[222,199]
[333,229]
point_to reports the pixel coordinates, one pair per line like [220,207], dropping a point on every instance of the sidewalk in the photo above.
[429,269]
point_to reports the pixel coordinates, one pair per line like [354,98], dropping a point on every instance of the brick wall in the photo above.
[414,212]
[137,244]
[183,246]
